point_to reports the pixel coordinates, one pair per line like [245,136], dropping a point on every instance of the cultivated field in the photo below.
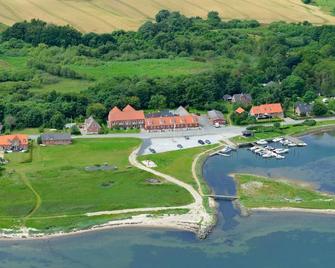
[108,15]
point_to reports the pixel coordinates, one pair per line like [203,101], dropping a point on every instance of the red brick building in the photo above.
[91,126]
[171,122]
[15,142]
[127,118]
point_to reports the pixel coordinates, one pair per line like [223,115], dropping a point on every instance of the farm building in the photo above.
[171,122]
[181,111]
[127,118]
[56,139]
[216,117]
[244,99]
[303,109]
[15,142]
[91,126]
[267,110]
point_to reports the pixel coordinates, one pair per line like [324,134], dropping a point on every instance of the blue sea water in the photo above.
[268,240]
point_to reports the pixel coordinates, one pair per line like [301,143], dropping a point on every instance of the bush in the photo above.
[75,130]
[309,122]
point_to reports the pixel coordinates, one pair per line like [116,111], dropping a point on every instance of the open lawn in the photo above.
[326,5]
[256,191]
[177,163]
[55,183]
[147,67]
[108,15]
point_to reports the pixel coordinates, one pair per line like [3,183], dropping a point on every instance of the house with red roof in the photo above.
[126,118]
[16,142]
[171,122]
[267,110]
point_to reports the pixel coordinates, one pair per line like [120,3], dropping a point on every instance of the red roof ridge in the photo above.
[128,108]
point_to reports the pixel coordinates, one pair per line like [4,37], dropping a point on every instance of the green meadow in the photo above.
[146,67]
[256,191]
[51,187]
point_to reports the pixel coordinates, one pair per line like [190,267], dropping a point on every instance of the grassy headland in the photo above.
[256,191]
[56,187]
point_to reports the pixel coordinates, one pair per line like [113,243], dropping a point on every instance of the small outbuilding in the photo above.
[216,117]
[227,97]
[56,139]
[303,109]
[239,110]
[244,99]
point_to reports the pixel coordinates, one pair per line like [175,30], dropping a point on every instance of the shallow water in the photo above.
[262,240]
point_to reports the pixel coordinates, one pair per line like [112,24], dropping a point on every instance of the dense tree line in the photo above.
[280,62]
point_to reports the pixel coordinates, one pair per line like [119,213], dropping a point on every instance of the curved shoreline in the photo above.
[197,220]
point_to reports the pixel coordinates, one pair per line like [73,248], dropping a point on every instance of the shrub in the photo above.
[309,122]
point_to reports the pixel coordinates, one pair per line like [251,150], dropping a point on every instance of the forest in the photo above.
[279,62]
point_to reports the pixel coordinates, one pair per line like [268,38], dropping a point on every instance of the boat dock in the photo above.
[294,140]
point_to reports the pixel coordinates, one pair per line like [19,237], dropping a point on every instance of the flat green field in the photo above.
[177,163]
[55,184]
[256,191]
[327,5]
[150,68]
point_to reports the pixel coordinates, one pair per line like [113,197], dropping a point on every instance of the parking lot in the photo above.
[160,145]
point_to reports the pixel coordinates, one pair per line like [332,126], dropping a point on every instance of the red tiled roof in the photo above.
[171,121]
[239,110]
[6,140]
[128,108]
[128,114]
[267,109]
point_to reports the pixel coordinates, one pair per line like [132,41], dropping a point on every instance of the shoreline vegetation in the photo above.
[259,193]
[286,130]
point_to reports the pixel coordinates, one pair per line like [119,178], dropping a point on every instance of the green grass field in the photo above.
[326,5]
[177,163]
[256,191]
[150,68]
[55,184]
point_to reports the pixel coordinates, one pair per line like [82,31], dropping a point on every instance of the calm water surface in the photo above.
[262,240]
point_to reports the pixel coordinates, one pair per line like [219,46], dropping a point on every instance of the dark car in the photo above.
[187,137]
[153,151]
[201,142]
[180,146]
[208,141]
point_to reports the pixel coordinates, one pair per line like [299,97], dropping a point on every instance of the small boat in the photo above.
[270,148]
[258,150]
[261,142]
[281,151]
[278,156]
[226,150]
[226,155]
[277,139]
[253,148]
[291,144]
[302,144]
[267,155]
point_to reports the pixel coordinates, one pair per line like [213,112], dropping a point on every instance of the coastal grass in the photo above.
[145,67]
[284,131]
[81,222]
[256,191]
[57,177]
[177,163]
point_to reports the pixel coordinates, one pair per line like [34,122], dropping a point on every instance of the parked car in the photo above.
[180,146]
[187,137]
[208,141]
[201,142]
[153,151]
